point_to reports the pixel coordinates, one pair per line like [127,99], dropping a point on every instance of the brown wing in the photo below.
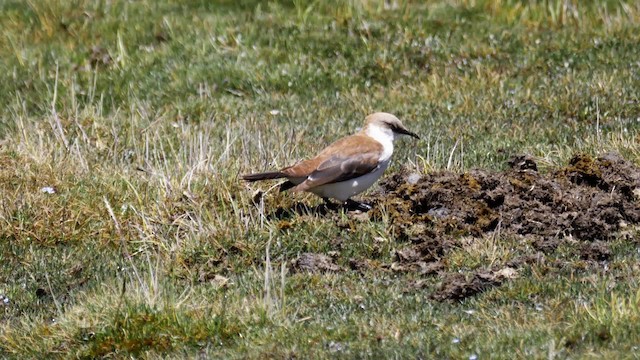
[338,169]
[345,159]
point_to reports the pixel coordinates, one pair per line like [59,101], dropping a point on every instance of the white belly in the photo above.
[344,190]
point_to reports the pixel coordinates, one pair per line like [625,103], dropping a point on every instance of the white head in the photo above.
[386,124]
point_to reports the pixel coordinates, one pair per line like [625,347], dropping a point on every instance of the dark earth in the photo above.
[586,203]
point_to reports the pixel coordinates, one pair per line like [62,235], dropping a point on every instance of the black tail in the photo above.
[263,176]
[286,185]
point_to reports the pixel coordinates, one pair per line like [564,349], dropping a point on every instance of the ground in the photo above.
[509,230]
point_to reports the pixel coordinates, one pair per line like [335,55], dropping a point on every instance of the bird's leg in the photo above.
[356,205]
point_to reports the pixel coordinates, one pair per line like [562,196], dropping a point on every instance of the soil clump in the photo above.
[588,201]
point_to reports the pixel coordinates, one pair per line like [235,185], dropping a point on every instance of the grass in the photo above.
[140,115]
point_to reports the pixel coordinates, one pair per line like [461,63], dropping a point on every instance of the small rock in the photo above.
[413,178]
[438,212]
[506,273]
[48,190]
[220,281]
[335,347]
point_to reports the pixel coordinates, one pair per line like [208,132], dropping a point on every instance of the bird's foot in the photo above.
[352,205]
[329,205]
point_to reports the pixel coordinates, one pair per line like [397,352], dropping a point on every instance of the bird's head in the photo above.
[388,122]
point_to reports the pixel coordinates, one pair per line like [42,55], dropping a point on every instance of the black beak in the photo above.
[401,130]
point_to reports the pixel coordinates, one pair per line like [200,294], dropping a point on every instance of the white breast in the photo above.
[385,137]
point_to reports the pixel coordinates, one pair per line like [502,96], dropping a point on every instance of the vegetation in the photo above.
[125,231]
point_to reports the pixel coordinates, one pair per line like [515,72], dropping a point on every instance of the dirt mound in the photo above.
[589,201]
[456,286]
[314,263]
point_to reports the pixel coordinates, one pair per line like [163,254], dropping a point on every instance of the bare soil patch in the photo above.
[588,201]
[314,263]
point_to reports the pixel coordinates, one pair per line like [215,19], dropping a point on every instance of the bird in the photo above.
[348,166]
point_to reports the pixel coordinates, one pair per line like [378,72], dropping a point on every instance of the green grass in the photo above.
[142,114]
